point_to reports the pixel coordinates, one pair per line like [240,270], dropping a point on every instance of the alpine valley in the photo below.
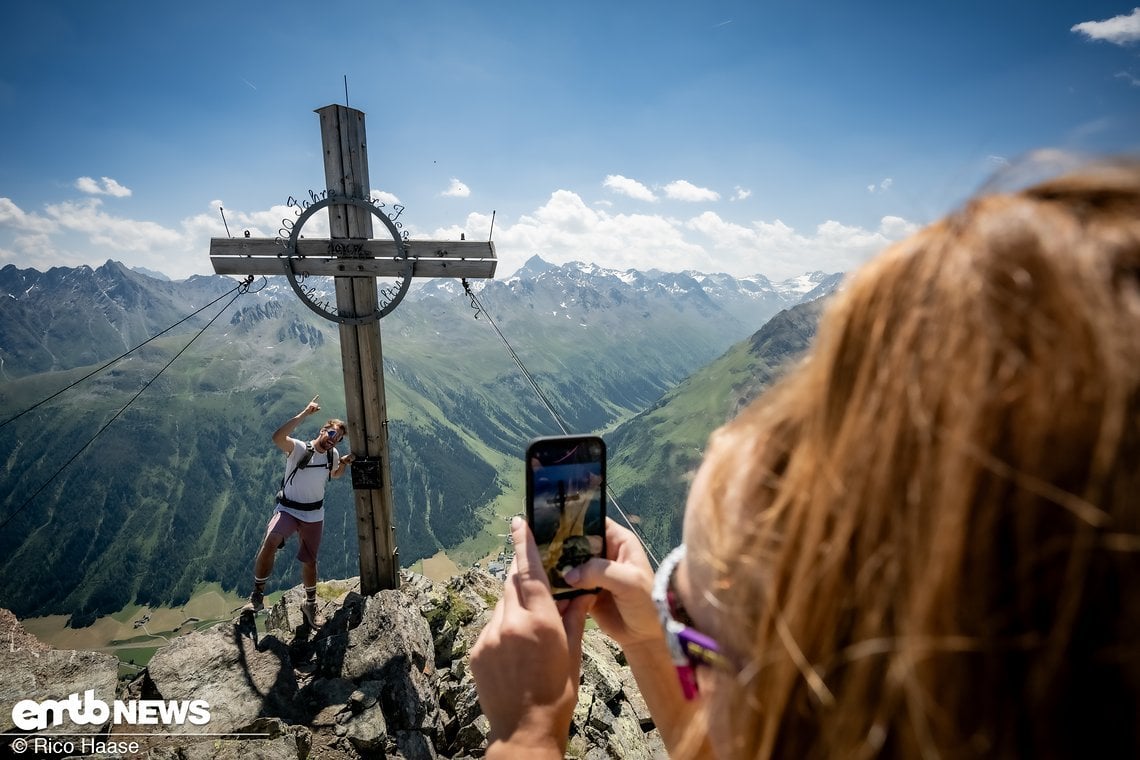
[156,474]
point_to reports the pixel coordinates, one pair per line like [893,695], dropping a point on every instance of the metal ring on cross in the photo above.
[386,298]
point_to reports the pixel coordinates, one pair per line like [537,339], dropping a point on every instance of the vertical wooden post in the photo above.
[346,173]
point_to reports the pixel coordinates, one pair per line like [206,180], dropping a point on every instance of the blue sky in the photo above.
[767,136]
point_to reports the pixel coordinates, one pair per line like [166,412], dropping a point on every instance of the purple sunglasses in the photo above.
[689,647]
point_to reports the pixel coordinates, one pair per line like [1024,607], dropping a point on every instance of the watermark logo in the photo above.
[88,745]
[30,715]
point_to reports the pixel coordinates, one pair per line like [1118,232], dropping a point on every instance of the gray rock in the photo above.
[626,739]
[600,668]
[324,699]
[367,730]
[601,719]
[472,737]
[391,644]
[415,745]
[463,700]
[241,677]
[56,674]
[633,695]
[273,740]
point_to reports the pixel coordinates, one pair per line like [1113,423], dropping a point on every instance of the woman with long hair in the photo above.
[924,541]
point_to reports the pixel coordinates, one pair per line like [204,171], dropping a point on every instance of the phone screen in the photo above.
[566,503]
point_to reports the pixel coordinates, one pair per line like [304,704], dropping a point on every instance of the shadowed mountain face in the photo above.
[177,488]
[66,318]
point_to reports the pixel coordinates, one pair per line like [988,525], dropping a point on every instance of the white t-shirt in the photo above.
[308,485]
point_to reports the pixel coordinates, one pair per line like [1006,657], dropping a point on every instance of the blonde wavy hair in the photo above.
[926,538]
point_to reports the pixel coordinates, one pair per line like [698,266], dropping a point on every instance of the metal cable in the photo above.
[478,306]
[97,370]
[242,288]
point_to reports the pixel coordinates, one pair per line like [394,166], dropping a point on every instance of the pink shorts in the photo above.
[309,534]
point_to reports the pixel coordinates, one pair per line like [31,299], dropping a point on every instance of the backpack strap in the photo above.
[303,463]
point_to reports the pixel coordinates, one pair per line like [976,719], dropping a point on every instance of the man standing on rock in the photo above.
[300,505]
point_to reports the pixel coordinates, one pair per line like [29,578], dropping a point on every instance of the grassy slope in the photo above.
[655,455]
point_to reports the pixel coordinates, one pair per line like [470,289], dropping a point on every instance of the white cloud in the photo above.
[1129,77]
[456,190]
[896,228]
[777,250]
[629,187]
[1119,30]
[40,247]
[741,193]
[86,217]
[390,199]
[566,228]
[881,187]
[683,190]
[72,233]
[14,217]
[102,186]
[270,223]
[87,185]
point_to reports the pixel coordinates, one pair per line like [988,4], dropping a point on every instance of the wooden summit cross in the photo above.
[349,263]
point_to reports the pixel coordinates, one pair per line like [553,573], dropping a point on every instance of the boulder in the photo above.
[31,669]
[242,677]
[56,674]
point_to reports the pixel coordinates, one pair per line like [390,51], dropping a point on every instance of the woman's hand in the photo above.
[527,659]
[624,609]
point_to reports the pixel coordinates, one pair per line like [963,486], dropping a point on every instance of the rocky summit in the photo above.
[383,676]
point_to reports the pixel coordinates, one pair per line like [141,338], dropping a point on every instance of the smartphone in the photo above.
[566,504]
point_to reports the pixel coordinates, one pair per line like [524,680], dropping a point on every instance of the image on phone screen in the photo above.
[566,503]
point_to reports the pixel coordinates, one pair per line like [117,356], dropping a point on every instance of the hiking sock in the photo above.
[256,601]
[309,608]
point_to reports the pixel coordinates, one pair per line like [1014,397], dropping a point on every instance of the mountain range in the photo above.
[108,500]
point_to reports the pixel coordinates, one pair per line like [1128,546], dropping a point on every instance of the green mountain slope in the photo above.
[654,456]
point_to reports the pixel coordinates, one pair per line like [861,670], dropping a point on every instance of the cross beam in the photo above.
[354,260]
[354,257]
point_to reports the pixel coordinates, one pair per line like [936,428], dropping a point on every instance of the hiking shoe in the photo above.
[309,613]
[256,602]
